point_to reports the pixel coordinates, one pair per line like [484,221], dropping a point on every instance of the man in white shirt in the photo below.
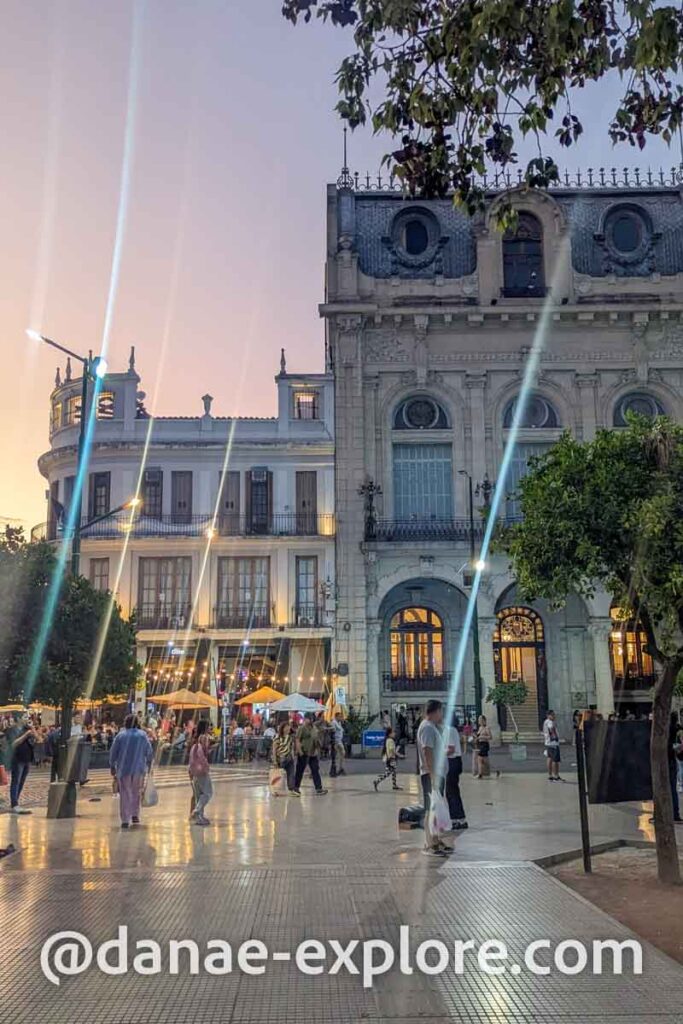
[430,761]
[454,755]
[551,741]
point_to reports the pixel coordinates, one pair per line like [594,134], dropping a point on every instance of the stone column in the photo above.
[476,386]
[487,627]
[374,677]
[600,630]
[586,384]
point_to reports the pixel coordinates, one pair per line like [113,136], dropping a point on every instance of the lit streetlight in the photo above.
[93,369]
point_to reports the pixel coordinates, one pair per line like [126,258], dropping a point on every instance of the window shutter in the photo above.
[269,477]
[247,481]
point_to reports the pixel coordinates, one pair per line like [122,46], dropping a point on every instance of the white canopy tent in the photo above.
[297,702]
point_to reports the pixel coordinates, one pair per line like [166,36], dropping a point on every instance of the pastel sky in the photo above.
[227,119]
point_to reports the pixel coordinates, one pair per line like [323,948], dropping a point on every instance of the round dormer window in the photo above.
[415,236]
[627,232]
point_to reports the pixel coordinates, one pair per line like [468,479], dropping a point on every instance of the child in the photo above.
[389,758]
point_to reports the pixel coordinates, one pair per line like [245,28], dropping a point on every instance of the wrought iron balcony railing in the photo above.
[242,616]
[162,616]
[423,529]
[308,615]
[416,684]
[280,524]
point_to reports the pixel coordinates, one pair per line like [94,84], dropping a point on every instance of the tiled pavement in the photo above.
[329,867]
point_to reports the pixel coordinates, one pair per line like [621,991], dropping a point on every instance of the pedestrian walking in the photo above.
[130,758]
[21,738]
[200,772]
[338,740]
[551,741]
[454,757]
[283,754]
[430,759]
[307,745]
[389,758]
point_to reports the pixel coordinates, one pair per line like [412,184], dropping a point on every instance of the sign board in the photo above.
[373,738]
[340,695]
[226,712]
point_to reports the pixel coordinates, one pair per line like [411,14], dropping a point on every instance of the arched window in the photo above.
[632,666]
[105,405]
[639,403]
[417,645]
[537,414]
[523,274]
[421,412]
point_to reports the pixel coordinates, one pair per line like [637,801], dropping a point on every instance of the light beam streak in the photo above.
[499,493]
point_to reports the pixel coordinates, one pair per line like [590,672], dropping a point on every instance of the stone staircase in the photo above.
[526,718]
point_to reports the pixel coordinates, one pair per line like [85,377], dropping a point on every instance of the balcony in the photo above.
[397,530]
[242,616]
[163,616]
[307,616]
[416,684]
[281,524]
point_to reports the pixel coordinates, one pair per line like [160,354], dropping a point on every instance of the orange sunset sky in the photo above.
[232,140]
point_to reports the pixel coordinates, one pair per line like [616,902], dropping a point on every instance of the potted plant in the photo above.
[509,695]
[354,726]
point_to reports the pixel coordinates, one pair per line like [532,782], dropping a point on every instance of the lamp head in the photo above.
[99,367]
[34,335]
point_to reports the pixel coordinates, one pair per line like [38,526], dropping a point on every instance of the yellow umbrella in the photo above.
[331,709]
[184,698]
[264,695]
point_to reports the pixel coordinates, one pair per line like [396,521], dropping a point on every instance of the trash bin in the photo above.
[78,754]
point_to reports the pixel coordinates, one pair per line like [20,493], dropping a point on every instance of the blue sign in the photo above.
[373,738]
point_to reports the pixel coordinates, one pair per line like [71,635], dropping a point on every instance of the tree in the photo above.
[609,512]
[508,695]
[26,571]
[461,82]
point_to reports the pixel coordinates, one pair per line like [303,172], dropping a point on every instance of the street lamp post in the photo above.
[476,660]
[92,369]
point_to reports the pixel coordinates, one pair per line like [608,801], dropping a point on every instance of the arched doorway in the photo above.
[519,656]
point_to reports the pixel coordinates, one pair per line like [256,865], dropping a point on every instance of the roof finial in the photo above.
[58,378]
[131,360]
[207,399]
[283,362]
[67,375]
[345,181]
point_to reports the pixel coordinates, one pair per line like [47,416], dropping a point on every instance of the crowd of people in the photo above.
[292,744]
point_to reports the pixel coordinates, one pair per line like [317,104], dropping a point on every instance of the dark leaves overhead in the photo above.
[460,82]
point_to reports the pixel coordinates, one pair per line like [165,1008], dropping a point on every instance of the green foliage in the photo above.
[355,725]
[26,571]
[507,695]
[609,511]
[461,82]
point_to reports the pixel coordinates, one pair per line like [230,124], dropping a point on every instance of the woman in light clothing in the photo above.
[200,773]
[484,737]
[130,758]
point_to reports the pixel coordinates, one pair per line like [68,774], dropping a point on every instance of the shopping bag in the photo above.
[277,781]
[4,777]
[150,796]
[439,815]
[114,785]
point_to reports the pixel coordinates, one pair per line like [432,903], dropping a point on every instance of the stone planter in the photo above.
[518,751]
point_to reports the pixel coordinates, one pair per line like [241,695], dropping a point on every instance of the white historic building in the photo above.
[228,562]
[430,318]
